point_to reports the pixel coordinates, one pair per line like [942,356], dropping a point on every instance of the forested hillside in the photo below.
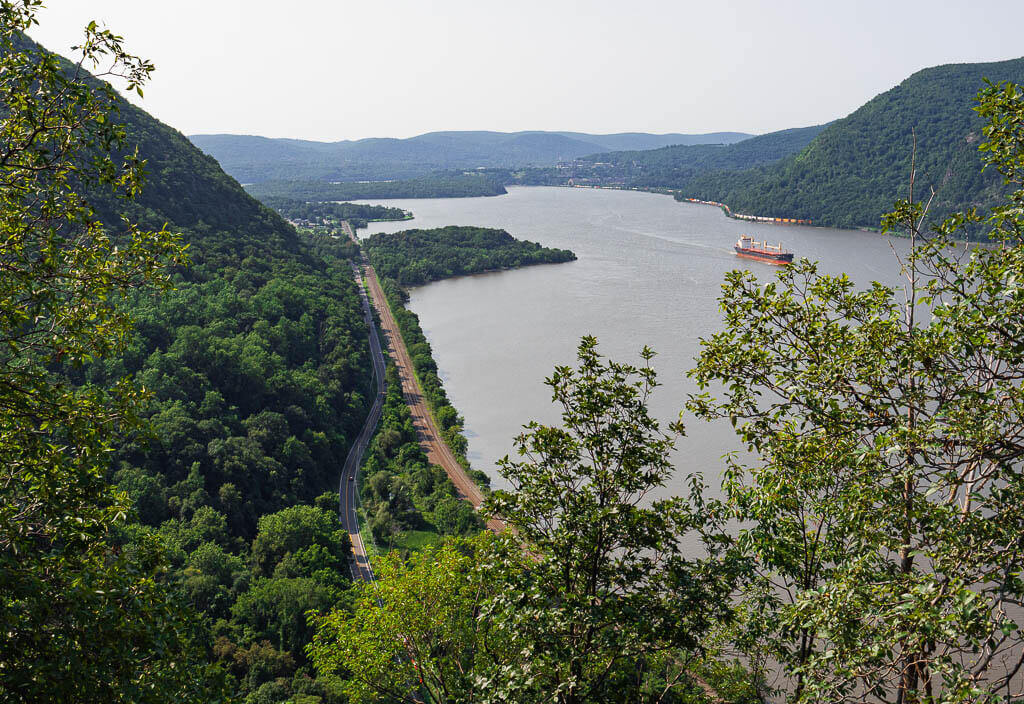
[260,374]
[858,166]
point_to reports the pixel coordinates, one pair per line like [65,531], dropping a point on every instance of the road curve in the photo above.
[430,436]
[349,483]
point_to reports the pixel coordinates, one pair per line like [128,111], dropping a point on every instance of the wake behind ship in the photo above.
[771,253]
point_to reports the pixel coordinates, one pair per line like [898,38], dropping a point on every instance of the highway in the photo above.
[348,487]
[430,436]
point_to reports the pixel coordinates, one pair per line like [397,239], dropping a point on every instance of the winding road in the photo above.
[348,488]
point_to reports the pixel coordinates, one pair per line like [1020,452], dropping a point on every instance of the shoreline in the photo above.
[677,195]
[432,439]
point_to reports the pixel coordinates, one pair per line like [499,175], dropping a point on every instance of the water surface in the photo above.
[649,272]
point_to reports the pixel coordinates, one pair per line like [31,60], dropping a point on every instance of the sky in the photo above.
[347,69]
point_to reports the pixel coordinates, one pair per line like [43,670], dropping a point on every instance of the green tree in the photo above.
[418,628]
[275,609]
[586,598]
[82,621]
[610,593]
[454,516]
[884,514]
[292,529]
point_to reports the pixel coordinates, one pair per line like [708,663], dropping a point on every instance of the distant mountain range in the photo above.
[844,174]
[255,159]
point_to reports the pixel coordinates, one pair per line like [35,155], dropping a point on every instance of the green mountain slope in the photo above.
[259,370]
[256,159]
[856,168]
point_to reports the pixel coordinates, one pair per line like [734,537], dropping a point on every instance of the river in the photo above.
[649,272]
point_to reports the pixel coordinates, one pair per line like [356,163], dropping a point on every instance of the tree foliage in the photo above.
[884,514]
[82,619]
[610,591]
[418,627]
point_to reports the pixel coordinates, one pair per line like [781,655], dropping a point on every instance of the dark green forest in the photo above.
[259,371]
[415,257]
[439,185]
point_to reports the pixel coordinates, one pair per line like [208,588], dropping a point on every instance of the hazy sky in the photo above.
[347,69]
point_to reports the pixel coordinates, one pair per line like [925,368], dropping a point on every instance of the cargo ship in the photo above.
[771,253]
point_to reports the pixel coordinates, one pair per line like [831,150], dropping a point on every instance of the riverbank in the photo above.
[678,195]
[433,441]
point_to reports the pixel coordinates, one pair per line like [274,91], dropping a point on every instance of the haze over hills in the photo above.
[254,159]
[676,166]
[844,174]
[852,172]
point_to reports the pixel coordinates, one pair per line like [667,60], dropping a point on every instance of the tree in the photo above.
[454,516]
[609,595]
[586,598]
[275,609]
[884,514]
[418,627]
[82,620]
[293,529]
